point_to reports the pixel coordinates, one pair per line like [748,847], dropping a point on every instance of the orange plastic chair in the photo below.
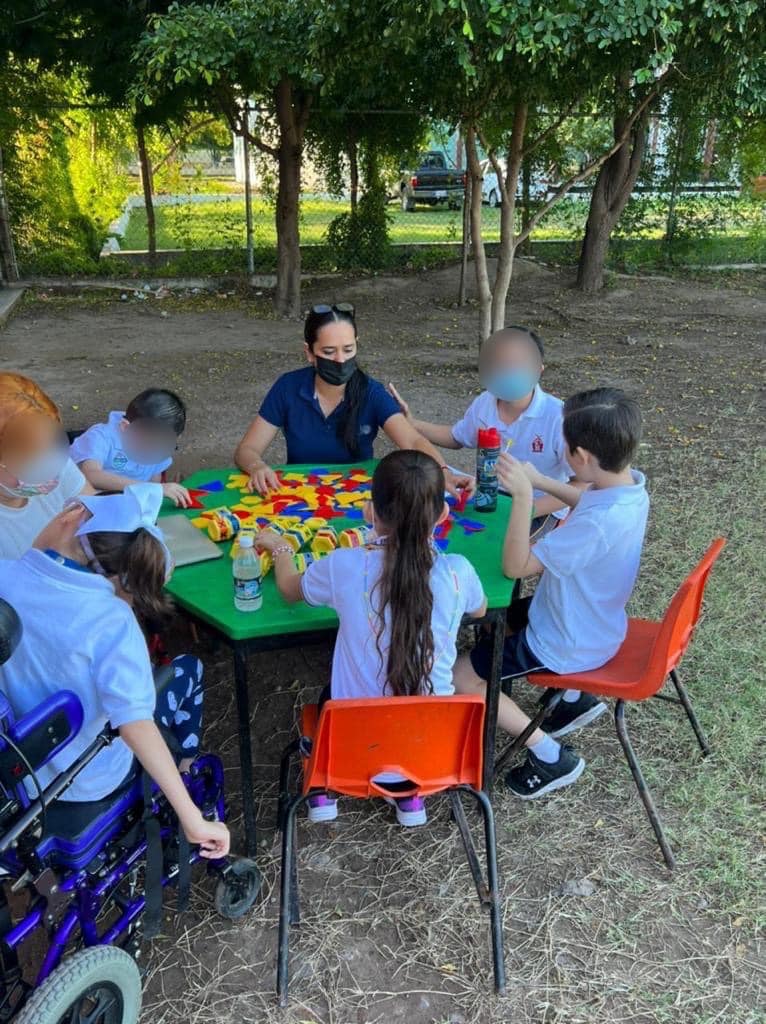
[649,654]
[436,742]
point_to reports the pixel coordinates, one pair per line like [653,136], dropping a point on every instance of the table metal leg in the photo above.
[245,749]
[493,698]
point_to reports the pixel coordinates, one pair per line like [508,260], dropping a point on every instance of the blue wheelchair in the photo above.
[82,882]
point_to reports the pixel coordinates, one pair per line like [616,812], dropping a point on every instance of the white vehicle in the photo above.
[490,189]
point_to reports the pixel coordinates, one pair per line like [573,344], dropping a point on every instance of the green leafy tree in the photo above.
[227,53]
[716,70]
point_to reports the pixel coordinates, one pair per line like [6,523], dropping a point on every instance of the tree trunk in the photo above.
[353,172]
[508,217]
[9,269]
[147,184]
[466,240]
[675,183]
[250,254]
[708,155]
[292,117]
[614,184]
[526,198]
[479,252]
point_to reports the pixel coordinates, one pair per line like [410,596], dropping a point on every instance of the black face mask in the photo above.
[336,373]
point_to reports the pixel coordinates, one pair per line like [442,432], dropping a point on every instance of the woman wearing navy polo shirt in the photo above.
[330,411]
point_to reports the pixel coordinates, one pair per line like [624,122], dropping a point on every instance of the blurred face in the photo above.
[147,441]
[34,452]
[510,368]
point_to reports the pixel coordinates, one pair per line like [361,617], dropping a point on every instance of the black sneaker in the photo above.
[535,778]
[570,716]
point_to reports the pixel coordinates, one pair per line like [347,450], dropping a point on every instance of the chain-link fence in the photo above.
[206,230]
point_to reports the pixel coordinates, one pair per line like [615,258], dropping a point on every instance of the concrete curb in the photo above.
[9,297]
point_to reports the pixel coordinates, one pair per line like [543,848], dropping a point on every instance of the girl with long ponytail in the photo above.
[399,600]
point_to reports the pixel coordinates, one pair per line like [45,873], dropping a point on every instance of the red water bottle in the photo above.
[487,454]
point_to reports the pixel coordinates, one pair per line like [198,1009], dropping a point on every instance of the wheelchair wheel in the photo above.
[100,985]
[238,889]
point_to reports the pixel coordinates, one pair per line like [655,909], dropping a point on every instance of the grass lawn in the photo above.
[597,932]
[216,226]
[219,225]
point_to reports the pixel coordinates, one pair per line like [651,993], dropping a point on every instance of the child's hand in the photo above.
[459,483]
[513,476]
[263,479]
[212,836]
[177,494]
[398,398]
[267,540]
[533,474]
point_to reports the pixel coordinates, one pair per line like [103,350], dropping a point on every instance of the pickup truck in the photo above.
[431,182]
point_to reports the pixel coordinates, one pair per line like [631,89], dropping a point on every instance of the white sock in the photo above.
[571,696]
[547,749]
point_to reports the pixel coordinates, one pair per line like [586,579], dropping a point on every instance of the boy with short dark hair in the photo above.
[576,619]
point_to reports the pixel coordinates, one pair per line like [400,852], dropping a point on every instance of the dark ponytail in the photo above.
[408,497]
[137,560]
[356,389]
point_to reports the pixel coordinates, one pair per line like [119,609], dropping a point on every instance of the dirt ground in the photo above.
[596,930]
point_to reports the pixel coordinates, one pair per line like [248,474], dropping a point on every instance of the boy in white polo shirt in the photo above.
[134,446]
[527,418]
[576,619]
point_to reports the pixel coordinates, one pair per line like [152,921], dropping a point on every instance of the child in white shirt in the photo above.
[399,601]
[135,445]
[576,620]
[36,474]
[527,418]
[71,592]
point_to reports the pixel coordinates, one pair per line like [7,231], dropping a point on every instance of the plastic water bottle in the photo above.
[487,454]
[246,570]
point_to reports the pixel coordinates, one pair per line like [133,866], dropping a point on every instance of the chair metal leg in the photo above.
[549,700]
[643,791]
[495,916]
[287,896]
[295,904]
[683,696]
[458,812]
[284,780]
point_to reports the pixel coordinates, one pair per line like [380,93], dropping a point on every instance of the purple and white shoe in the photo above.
[410,810]
[322,808]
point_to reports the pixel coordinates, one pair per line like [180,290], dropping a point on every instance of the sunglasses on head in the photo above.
[337,307]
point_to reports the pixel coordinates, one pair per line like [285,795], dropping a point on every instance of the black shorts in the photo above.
[518,657]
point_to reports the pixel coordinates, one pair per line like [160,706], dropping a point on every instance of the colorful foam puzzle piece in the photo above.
[211,487]
[237,481]
[195,495]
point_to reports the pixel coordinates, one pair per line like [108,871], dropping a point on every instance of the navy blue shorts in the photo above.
[518,657]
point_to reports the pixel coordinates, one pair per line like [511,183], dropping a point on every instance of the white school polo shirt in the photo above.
[536,436]
[343,580]
[103,443]
[20,526]
[77,635]
[577,617]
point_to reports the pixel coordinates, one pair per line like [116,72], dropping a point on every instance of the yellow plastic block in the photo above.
[251,499]
[200,522]
[315,523]
[237,481]
[293,476]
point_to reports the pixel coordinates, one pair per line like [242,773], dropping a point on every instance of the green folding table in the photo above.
[205,592]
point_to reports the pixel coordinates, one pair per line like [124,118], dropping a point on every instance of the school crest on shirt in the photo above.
[537,444]
[119,460]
